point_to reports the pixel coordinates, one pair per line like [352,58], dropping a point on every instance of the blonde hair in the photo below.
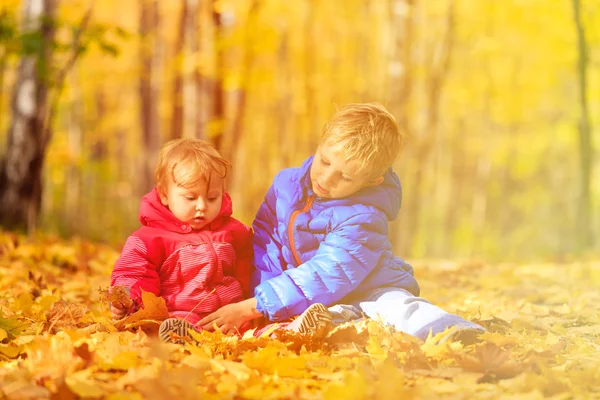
[368,133]
[188,162]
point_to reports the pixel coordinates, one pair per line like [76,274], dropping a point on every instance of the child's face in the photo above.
[333,177]
[197,206]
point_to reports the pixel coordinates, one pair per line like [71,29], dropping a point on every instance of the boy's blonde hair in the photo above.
[368,133]
[188,162]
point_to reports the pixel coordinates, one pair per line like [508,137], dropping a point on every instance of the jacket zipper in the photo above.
[295,214]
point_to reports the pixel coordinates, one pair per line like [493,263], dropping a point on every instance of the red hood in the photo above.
[154,214]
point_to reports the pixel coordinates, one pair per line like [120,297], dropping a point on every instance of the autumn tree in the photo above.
[29,133]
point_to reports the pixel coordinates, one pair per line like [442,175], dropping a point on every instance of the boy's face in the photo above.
[333,177]
[197,206]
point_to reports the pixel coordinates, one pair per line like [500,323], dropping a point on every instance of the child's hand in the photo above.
[120,302]
[118,311]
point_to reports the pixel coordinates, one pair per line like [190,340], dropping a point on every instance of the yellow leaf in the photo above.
[3,334]
[81,385]
[498,339]
[551,339]
[354,386]
[10,351]
[24,303]
[375,350]
[197,361]
[123,361]
[124,396]
[155,309]
[46,303]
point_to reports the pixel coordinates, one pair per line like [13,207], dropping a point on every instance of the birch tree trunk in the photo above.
[28,137]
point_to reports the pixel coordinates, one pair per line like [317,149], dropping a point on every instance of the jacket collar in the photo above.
[386,196]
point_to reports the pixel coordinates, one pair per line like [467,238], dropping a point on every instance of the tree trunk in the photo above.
[75,130]
[400,94]
[217,122]
[28,137]
[148,90]
[177,89]
[190,68]
[437,76]
[248,62]
[585,141]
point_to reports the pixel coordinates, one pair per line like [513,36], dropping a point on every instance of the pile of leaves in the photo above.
[57,340]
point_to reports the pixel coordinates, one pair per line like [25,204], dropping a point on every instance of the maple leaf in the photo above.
[62,315]
[348,333]
[154,310]
[119,295]
[10,328]
[492,361]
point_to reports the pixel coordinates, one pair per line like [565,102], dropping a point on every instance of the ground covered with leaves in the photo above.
[57,340]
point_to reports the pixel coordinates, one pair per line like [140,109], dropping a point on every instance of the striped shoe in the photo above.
[171,328]
[314,321]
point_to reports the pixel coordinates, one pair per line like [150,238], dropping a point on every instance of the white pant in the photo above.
[399,308]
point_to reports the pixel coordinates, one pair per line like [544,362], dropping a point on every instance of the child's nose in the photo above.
[329,179]
[201,204]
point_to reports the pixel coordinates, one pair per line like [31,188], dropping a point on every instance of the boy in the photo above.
[321,236]
[189,250]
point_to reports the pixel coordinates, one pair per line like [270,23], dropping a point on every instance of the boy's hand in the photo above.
[231,316]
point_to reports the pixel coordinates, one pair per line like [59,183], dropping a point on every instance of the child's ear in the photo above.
[163,197]
[375,182]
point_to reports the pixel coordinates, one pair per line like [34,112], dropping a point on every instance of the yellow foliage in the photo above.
[543,340]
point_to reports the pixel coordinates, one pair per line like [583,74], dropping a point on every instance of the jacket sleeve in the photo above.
[244,257]
[268,258]
[134,271]
[350,251]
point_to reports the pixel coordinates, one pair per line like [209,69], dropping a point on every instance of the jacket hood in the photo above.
[154,214]
[387,196]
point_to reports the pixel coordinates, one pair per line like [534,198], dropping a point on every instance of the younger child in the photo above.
[189,250]
[321,236]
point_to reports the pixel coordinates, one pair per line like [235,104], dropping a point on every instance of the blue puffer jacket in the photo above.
[337,247]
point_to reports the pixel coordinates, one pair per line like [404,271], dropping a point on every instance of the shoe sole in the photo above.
[316,321]
[174,326]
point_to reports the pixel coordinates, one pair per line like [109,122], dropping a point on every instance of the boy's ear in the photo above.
[375,182]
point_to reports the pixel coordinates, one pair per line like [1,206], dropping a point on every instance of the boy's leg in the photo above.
[414,315]
[341,313]
[314,321]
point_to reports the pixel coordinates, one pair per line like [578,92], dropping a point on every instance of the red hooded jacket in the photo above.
[196,272]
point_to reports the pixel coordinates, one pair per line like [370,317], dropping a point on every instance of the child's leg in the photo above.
[341,313]
[178,325]
[414,315]
[171,327]
[315,321]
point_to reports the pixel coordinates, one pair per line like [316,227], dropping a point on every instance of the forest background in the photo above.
[499,101]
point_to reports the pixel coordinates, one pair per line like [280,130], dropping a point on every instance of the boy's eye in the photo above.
[190,198]
[346,179]
[212,198]
[324,162]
